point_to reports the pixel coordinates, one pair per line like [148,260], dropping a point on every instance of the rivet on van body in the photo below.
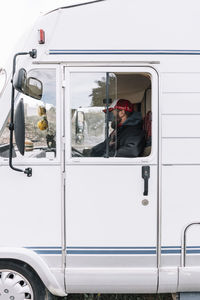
[145,202]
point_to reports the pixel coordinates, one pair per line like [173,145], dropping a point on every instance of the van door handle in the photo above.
[146,176]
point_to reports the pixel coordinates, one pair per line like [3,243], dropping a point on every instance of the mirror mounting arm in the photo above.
[27,171]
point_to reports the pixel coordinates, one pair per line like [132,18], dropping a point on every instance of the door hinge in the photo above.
[63,158]
[64,83]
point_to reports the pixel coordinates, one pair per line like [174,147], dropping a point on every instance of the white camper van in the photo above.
[73,222]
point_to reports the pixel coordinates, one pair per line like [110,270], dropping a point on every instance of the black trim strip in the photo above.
[75,5]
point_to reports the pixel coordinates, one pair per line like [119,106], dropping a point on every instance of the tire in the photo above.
[19,282]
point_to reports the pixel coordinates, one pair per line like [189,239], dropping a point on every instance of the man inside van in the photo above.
[127,138]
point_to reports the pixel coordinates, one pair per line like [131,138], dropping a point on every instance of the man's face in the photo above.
[118,115]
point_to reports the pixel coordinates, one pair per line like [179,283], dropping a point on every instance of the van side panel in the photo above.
[180,94]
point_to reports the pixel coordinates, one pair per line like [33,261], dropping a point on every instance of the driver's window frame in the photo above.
[152,158]
[39,161]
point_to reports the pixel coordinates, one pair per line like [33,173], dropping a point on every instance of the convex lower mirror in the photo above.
[19,126]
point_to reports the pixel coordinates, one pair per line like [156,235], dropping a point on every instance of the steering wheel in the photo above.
[76,153]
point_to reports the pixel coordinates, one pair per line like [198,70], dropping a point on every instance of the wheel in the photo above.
[19,282]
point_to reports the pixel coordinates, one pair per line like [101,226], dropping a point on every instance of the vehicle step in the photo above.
[189,296]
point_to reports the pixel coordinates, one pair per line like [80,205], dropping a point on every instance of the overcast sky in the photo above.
[16,16]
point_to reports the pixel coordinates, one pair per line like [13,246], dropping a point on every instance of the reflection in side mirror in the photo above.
[19,127]
[29,86]
[80,119]
[80,125]
[34,88]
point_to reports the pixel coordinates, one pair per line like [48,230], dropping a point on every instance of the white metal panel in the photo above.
[110,212]
[30,207]
[180,204]
[126,260]
[181,82]
[112,280]
[181,126]
[168,280]
[132,32]
[180,103]
[189,279]
[181,150]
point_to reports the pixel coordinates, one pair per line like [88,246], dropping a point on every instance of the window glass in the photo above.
[40,120]
[121,127]
[88,94]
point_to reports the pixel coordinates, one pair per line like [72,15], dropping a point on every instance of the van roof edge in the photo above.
[74,5]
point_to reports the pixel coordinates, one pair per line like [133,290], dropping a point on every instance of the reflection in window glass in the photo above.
[88,93]
[40,119]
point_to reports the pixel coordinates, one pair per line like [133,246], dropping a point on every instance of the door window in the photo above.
[111,114]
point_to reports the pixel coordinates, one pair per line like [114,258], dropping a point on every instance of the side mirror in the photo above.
[19,81]
[29,86]
[19,127]
[21,84]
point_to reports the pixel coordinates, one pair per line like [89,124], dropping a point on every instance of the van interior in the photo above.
[135,87]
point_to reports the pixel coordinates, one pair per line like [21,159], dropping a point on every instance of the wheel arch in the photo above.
[28,258]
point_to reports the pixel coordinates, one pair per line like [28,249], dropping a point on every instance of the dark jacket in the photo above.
[129,140]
